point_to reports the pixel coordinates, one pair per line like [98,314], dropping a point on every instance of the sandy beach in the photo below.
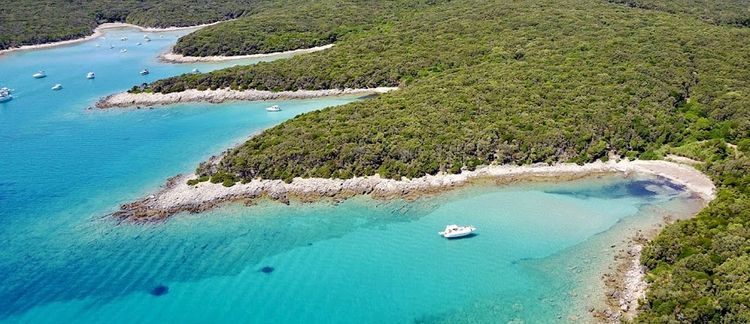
[179,58]
[125,99]
[99,32]
[177,196]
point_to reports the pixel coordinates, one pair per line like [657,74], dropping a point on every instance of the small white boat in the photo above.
[5,95]
[196,70]
[97,45]
[148,40]
[124,38]
[111,46]
[57,87]
[124,50]
[90,75]
[138,44]
[455,231]
[273,108]
[39,75]
[144,72]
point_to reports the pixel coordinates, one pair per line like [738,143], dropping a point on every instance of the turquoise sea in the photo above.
[537,258]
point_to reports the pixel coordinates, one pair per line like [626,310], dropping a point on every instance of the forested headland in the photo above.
[505,82]
[276,28]
[525,82]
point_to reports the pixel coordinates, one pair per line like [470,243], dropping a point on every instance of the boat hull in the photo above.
[468,231]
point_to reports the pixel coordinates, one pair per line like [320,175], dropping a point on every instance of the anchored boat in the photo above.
[5,95]
[273,108]
[57,87]
[39,75]
[455,231]
[90,75]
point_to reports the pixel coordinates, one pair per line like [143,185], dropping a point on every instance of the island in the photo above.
[494,89]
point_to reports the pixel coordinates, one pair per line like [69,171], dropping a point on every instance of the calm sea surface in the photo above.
[537,257]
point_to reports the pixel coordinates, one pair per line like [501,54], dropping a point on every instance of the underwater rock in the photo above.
[159,290]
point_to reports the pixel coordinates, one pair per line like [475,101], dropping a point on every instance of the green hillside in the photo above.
[524,82]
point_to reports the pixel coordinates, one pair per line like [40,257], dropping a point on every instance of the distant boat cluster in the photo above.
[6,93]
[125,38]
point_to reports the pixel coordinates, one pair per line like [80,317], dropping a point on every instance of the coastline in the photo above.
[171,57]
[177,196]
[98,31]
[125,99]
[625,284]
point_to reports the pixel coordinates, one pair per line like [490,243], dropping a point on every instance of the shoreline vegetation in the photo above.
[184,193]
[144,99]
[98,32]
[172,57]
[499,83]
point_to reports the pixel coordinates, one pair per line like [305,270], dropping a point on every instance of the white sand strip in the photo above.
[126,99]
[179,58]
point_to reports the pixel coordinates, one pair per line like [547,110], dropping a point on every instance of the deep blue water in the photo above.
[63,168]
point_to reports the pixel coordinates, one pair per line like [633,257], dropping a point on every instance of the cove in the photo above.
[538,255]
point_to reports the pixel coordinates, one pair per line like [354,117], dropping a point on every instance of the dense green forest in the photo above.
[699,269]
[731,12]
[24,22]
[312,23]
[532,81]
[275,28]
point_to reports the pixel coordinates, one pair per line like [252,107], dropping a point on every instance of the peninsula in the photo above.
[557,88]
[498,83]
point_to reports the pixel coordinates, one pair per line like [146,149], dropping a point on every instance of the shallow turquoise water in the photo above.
[538,254]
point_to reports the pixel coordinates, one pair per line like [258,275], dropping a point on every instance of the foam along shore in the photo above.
[177,196]
[172,57]
[98,31]
[126,99]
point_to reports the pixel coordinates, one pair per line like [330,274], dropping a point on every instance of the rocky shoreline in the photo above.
[625,284]
[126,99]
[171,57]
[177,196]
